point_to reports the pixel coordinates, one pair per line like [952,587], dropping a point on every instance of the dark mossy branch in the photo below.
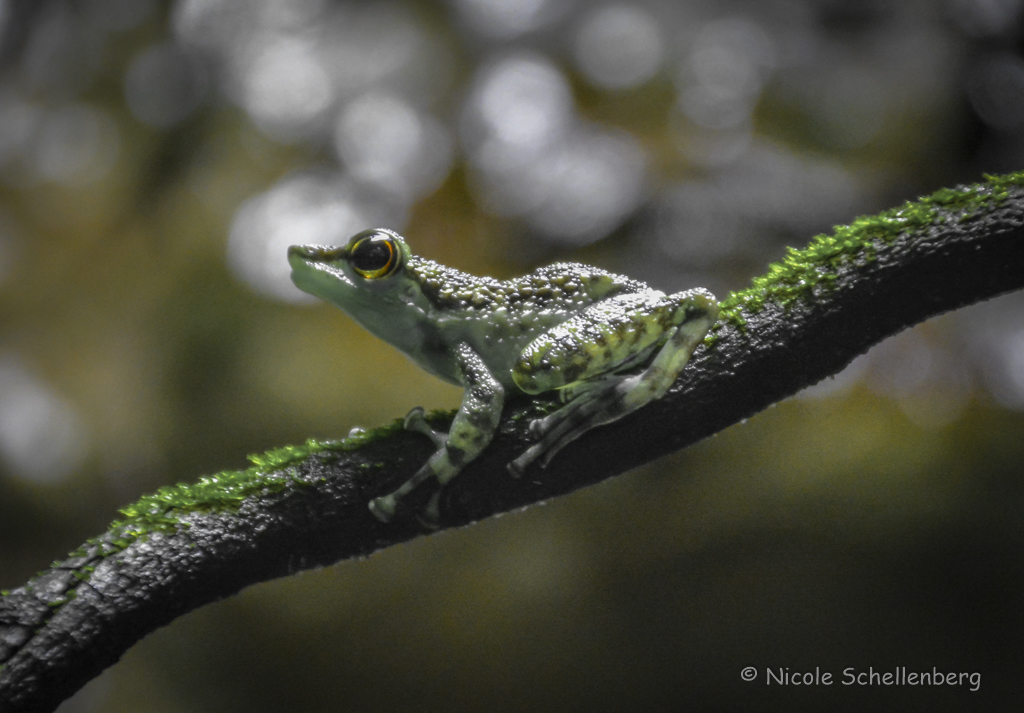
[307,507]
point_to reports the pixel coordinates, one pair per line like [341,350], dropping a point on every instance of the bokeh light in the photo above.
[619,47]
[996,90]
[507,18]
[42,439]
[286,87]
[73,144]
[382,140]
[307,209]
[533,158]
[724,73]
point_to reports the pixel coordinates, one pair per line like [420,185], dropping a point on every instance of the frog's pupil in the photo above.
[372,254]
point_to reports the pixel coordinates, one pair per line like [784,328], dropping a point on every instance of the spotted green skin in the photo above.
[566,327]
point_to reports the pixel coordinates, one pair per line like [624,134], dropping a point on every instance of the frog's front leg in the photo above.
[582,355]
[471,431]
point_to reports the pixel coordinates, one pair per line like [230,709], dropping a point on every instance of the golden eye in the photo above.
[374,254]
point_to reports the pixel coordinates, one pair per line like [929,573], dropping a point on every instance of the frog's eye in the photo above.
[375,255]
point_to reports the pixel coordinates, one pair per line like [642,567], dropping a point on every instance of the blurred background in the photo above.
[157,157]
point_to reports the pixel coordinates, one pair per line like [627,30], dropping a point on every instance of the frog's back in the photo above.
[498,318]
[573,283]
[564,286]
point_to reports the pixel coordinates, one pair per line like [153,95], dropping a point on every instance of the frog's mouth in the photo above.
[317,268]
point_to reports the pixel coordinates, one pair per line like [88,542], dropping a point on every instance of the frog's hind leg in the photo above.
[684,319]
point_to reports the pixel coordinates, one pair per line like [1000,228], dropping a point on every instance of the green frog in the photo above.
[606,343]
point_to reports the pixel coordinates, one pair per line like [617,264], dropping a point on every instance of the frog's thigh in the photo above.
[696,313]
[597,341]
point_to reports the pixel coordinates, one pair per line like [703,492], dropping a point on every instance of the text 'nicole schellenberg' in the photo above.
[897,676]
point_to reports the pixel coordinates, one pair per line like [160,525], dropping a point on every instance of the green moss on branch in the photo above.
[817,265]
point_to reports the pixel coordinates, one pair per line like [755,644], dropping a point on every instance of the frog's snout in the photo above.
[314,253]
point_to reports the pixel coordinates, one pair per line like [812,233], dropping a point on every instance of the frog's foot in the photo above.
[416,422]
[444,465]
[383,508]
[593,407]
[429,517]
[583,390]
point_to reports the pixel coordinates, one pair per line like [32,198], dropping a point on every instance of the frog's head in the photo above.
[367,271]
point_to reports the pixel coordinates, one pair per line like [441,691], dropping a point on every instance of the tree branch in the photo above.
[306,507]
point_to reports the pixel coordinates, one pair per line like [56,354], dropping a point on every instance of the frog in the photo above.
[605,344]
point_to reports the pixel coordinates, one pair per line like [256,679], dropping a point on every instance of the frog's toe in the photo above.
[429,517]
[559,429]
[541,427]
[546,431]
[517,467]
[384,507]
[413,418]
[583,390]
[536,427]
[416,422]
